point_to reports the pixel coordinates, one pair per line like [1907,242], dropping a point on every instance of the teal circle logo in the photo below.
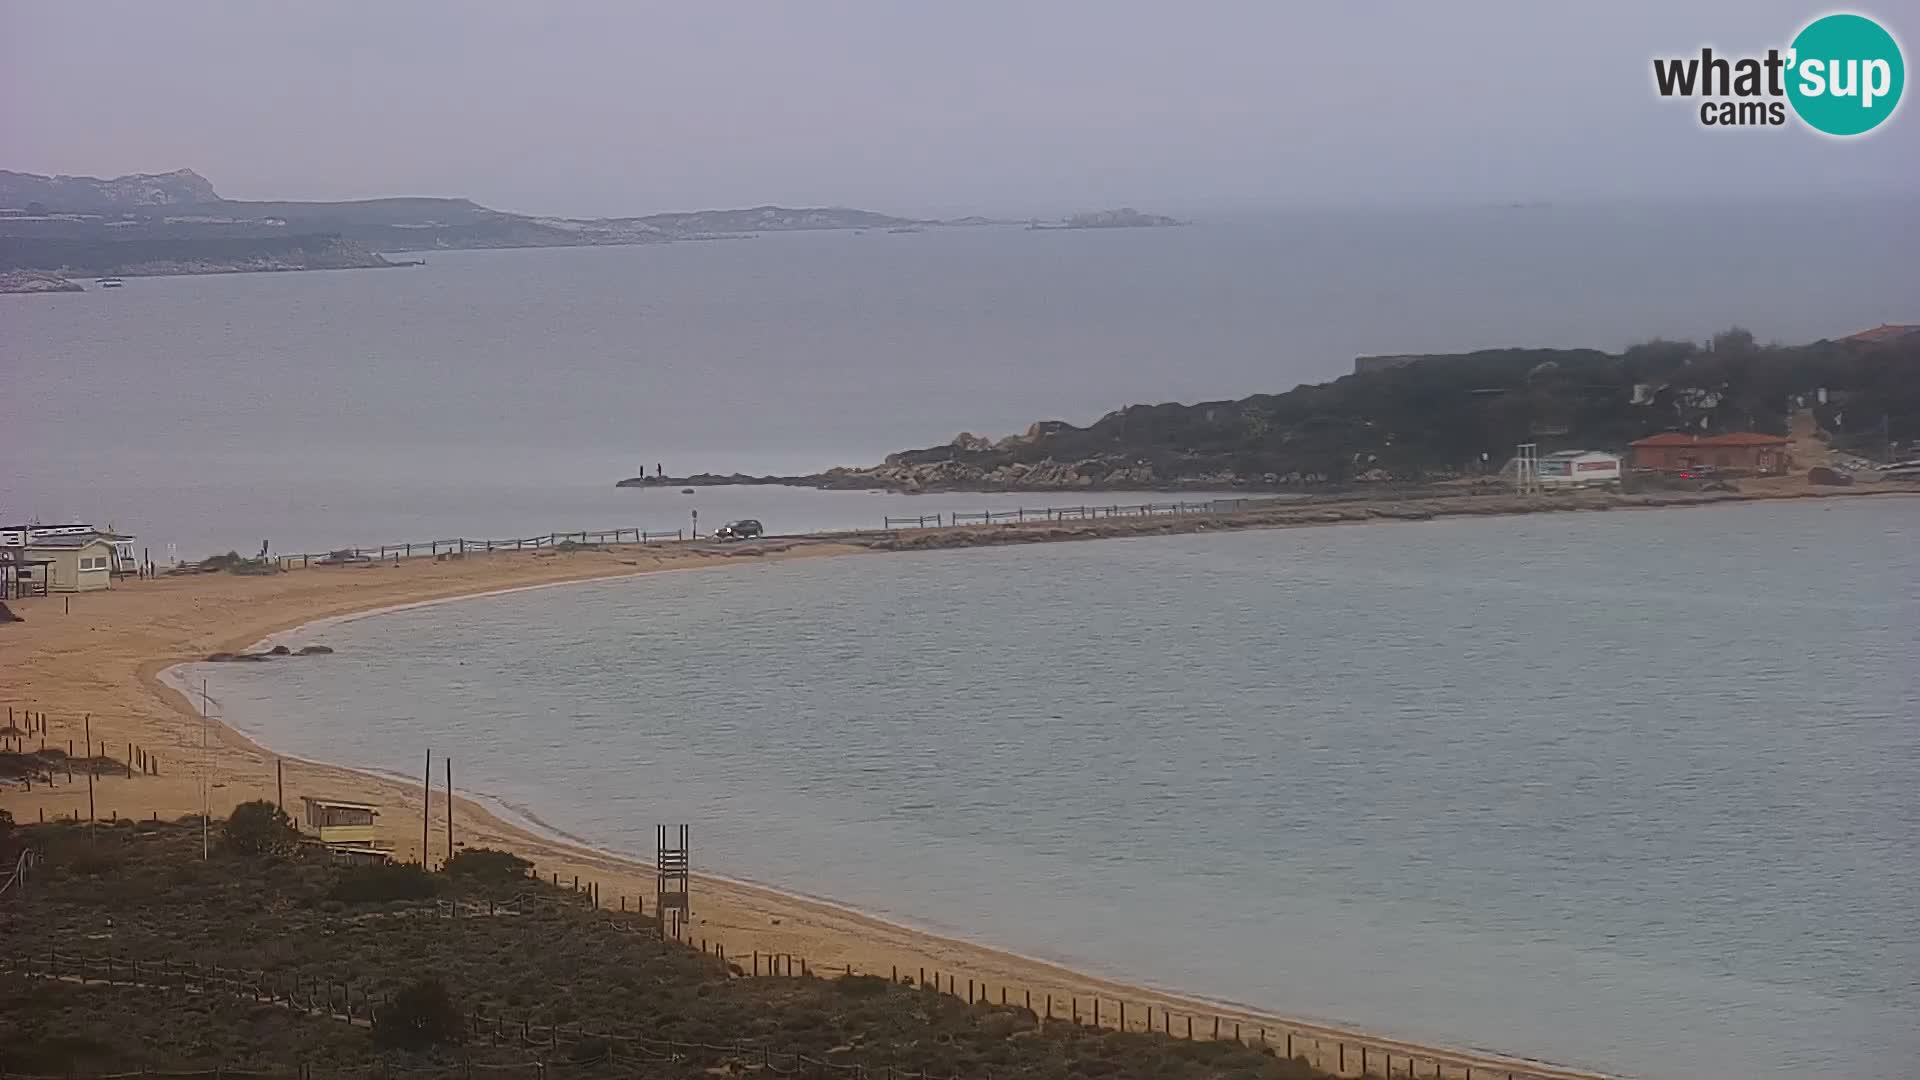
[1845,74]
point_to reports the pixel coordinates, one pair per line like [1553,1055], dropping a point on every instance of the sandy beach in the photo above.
[97,659]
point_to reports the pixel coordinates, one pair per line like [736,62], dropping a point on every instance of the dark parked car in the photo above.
[744,529]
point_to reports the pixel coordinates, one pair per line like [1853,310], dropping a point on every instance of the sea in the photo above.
[1634,791]
[498,394]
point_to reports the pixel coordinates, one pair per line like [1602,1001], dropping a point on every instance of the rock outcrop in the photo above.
[34,281]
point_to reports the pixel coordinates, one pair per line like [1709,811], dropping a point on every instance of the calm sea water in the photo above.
[502,393]
[1636,791]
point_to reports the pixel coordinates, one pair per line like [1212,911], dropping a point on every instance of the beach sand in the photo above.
[103,658]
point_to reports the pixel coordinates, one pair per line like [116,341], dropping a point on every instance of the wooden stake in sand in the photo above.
[426,807]
[206,795]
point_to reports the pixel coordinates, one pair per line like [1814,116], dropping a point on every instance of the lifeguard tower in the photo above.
[346,828]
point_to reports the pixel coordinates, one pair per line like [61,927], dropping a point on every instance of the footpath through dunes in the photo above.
[128,953]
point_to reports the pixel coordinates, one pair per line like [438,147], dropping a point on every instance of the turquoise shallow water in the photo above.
[1635,791]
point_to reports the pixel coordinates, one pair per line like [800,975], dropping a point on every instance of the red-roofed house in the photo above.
[1884,333]
[1739,451]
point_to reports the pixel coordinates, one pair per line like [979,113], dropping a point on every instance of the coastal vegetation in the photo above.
[53,227]
[458,974]
[1416,419]
[145,252]
[1445,416]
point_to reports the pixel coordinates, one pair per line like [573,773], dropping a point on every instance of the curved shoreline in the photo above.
[119,676]
[526,822]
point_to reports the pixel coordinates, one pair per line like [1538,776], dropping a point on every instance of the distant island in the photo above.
[1427,418]
[58,228]
[1125,217]
[177,223]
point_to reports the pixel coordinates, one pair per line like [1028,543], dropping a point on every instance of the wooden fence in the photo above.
[1339,1053]
[1336,1052]
[347,1003]
[1021,515]
[464,546]
[24,741]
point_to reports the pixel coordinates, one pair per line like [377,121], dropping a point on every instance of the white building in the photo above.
[125,559]
[1579,468]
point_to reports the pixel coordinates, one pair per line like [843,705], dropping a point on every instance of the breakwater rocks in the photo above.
[274,653]
[35,281]
[1333,512]
[937,476]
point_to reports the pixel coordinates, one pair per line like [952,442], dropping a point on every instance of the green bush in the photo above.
[94,861]
[488,866]
[860,985]
[382,883]
[259,828]
[421,1015]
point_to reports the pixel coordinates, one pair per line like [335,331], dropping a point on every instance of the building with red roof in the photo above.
[1884,333]
[1737,451]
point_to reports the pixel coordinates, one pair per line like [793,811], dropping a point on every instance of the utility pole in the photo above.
[206,796]
[426,807]
[449,809]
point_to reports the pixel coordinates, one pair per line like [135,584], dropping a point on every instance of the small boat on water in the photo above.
[109,283]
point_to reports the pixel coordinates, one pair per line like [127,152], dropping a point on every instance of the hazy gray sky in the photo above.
[947,107]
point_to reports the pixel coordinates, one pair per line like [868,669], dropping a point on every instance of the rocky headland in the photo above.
[1423,420]
[177,223]
[1126,217]
[35,281]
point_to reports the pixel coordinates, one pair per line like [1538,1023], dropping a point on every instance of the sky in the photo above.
[982,106]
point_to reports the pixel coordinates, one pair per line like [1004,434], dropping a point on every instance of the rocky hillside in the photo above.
[35,281]
[1438,417]
[82,193]
[1125,217]
[177,223]
[1429,418]
[52,258]
[50,223]
[772,219]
